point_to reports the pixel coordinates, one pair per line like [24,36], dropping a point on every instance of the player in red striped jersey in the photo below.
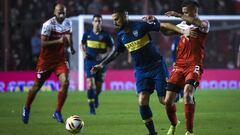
[56,35]
[189,64]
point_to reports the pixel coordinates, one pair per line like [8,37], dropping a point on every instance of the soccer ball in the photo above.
[74,124]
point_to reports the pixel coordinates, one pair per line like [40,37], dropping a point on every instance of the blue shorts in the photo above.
[152,79]
[99,76]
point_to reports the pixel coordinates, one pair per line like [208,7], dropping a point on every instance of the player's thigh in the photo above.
[62,71]
[42,75]
[160,80]
[193,75]
[144,82]
[100,76]
[88,64]
[90,83]
[176,81]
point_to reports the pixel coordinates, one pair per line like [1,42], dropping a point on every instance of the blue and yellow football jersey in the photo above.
[139,43]
[96,43]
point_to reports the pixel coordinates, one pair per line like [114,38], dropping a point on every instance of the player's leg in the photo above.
[62,96]
[145,112]
[62,72]
[189,106]
[98,91]
[91,94]
[173,87]
[145,87]
[38,82]
[193,75]
[91,85]
[99,81]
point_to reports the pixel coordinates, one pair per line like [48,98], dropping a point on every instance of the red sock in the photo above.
[171,112]
[61,99]
[30,98]
[189,116]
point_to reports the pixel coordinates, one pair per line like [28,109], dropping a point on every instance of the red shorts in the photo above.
[182,75]
[44,73]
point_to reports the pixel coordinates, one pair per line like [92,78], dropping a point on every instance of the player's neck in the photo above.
[96,31]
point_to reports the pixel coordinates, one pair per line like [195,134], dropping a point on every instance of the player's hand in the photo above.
[96,68]
[84,55]
[193,34]
[173,13]
[72,50]
[189,33]
[149,18]
[62,40]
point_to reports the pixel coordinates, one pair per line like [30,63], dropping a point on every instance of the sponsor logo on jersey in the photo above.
[137,44]
[96,44]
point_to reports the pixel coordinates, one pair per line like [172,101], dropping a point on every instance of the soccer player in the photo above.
[150,72]
[189,64]
[96,45]
[55,36]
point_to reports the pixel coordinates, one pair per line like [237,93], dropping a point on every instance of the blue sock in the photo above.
[91,96]
[146,114]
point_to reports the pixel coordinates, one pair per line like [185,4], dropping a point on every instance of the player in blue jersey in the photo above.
[96,44]
[150,69]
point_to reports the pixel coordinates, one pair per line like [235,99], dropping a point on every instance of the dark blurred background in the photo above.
[21,21]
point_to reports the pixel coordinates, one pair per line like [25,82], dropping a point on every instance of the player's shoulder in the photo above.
[51,21]
[67,22]
[105,33]
[87,32]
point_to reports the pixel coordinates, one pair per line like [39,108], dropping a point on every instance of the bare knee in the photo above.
[161,100]
[170,98]
[90,83]
[188,94]
[143,98]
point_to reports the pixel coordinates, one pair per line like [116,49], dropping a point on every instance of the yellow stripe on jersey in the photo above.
[137,44]
[96,44]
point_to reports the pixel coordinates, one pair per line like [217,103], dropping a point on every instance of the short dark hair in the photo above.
[119,10]
[190,3]
[97,15]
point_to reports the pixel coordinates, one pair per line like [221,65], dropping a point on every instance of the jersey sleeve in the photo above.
[151,26]
[207,28]
[120,46]
[70,24]
[84,38]
[46,29]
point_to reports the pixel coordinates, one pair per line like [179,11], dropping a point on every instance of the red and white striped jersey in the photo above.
[53,54]
[190,50]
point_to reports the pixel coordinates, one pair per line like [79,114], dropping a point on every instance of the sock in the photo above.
[91,96]
[189,110]
[146,114]
[171,113]
[96,96]
[31,96]
[61,100]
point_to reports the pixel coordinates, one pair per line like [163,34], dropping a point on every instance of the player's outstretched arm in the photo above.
[171,29]
[168,28]
[192,20]
[113,55]
[46,42]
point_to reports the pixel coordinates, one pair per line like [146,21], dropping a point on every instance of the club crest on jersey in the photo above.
[135,33]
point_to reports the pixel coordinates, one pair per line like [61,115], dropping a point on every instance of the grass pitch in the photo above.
[217,113]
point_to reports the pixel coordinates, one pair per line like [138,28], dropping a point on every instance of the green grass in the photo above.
[217,113]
